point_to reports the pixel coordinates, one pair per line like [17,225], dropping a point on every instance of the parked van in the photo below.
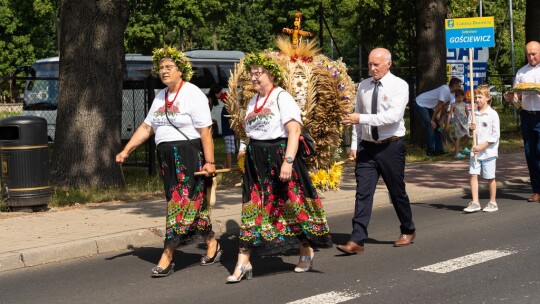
[210,67]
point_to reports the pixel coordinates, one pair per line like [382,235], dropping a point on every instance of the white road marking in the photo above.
[332,297]
[466,261]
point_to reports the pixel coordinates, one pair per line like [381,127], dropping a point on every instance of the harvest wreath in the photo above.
[322,89]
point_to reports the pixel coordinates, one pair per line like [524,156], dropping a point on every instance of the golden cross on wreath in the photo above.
[297,31]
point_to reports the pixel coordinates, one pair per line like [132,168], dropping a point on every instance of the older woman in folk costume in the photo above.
[281,210]
[181,122]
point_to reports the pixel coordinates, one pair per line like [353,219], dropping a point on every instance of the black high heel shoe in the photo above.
[158,272]
[206,260]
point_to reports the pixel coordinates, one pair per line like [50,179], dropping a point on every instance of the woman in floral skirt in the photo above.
[181,122]
[281,210]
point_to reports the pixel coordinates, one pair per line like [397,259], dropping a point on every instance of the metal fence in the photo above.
[39,96]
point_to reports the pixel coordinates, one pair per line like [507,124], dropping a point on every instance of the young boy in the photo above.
[486,149]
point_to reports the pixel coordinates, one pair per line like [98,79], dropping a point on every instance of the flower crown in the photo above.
[175,55]
[260,59]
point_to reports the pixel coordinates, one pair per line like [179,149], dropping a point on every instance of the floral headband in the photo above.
[260,59]
[175,55]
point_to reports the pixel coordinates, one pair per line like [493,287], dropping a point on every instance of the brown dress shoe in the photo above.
[405,239]
[535,197]
[350,248]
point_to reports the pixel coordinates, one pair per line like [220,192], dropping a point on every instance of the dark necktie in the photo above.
[374,130]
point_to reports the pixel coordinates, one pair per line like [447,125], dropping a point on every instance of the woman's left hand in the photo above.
[286,172]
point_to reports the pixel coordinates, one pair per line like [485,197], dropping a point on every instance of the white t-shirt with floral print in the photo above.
[189,112]
[269,122]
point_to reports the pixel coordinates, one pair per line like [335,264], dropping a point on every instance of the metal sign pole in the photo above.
[471,86]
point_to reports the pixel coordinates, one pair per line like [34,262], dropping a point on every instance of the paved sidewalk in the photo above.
[39,238]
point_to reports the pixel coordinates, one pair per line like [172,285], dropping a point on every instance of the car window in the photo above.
[225,70]
[139,69]
[204,75]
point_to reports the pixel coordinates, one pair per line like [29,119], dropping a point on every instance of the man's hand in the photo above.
[352,155]
[351,119]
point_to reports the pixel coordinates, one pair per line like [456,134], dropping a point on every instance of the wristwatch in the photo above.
[289,159]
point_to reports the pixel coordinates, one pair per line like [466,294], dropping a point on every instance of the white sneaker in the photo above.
[473,207]
[491,206]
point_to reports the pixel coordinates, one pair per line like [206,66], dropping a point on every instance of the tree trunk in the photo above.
[214,37]
[532,21]
[430,55]
[88,123]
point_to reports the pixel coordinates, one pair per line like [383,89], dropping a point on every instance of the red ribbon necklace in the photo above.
[258,109]
[168,102]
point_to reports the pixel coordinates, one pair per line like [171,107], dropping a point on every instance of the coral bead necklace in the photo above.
[168,102]
[258,109]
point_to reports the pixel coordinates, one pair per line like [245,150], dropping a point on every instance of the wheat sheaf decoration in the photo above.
[321,87]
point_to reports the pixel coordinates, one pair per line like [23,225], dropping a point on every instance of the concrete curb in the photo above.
[79,249]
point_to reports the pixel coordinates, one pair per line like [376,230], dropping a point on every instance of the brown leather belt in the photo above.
[533,112]
[386,140]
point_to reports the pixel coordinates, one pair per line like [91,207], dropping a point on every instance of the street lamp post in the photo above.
[512,37]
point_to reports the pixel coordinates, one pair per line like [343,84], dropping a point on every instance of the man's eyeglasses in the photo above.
[255,74]
[166,68]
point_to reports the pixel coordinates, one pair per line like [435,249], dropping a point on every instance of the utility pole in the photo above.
[512,37]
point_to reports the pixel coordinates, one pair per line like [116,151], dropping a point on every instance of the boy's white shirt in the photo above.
[487,130]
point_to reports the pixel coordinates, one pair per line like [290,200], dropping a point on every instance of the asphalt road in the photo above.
[457,258]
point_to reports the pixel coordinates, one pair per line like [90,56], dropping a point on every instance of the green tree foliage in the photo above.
[247,34]
[250,25]
[146,27]
[27,32]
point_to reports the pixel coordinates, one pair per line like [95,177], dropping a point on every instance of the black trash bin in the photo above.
[24,156]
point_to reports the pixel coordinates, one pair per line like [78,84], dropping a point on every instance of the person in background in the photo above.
[181,123]
[380,149]
[530,114]
[213,95]
[460,116]
[213,100]
[431,106]
[487,128]
[228,136]
[281,210]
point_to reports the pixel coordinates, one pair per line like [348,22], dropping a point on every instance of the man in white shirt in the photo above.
[430,107]
[380,106]
[530,115]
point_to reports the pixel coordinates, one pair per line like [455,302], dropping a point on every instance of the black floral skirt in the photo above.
[276,214]
[188,213]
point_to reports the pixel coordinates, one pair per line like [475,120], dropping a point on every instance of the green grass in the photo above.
[139,185]
[6,114]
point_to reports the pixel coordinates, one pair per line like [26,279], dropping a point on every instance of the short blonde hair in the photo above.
[483,90]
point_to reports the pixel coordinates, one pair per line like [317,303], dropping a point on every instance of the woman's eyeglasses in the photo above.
[255,74]
[166,68]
